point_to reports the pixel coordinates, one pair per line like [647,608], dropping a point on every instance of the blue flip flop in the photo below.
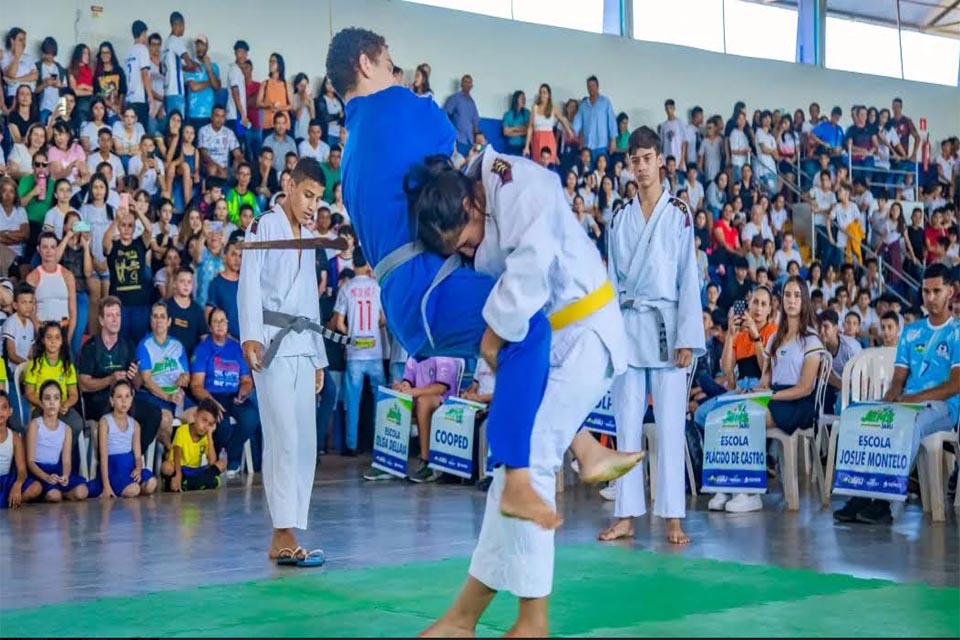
[315,558]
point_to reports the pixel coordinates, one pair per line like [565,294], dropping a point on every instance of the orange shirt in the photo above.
[745,353]
[276,91]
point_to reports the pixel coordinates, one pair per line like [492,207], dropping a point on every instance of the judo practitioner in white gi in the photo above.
[510,216]
[282,344]
[652,263]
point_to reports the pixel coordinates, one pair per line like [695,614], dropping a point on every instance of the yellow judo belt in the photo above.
[582,308]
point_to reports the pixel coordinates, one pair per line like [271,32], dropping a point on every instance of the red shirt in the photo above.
[84,76]
[932,236]
[730,234]
[253,113]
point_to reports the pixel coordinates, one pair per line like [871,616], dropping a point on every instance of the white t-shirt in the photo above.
[99,220]
[235,79]
[172,230]
[94,160]
[21,334]
[947,166]
[783,258]
[53,220]
[51,95]
[751,229]
[690,132]
[138,58]
[333,108]
[27,64]
[13,222]
[121,137]
[91,132]
[791,356]
[359,302]
[695,193]
[825,201]
[218,144]
[868,318]
[844,216]
[148,181]
[766,164]
[739,142]
[173,49]
[672,135]
[778,217]
[320,154]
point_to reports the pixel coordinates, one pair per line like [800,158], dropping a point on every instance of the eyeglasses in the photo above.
[41,165]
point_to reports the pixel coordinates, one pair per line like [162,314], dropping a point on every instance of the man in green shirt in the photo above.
[241,194]
[331,169]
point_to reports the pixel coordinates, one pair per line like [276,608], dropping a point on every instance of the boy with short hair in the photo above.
[20,328]
[187,321]
[851,325]
[889,329]
[183,469]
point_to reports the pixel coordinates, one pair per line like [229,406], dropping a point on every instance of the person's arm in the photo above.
[261,96]
[108,237]
[30,391]
[727,359]
[16,237]
[103,430]
[339,323]
[432,389]
[71,303]
[198,391]
[20,464]
[246,387]
[805,385]
[916,140]
[212,73]
[73,397]
[66,455]
[151,386]
[942,392]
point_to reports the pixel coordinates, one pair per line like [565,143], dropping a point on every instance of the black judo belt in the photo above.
[642,305]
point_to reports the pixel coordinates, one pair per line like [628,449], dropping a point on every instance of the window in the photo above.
[930,58]
[495,8]
[691,23]
[862,47]
[761,31]
[582,15]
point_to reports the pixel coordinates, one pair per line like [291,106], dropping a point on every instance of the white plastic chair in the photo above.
[650,435]
[866,376]
[790,474]
[932,467]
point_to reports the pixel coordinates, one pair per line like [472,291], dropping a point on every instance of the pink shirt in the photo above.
[439,369]
[55,154]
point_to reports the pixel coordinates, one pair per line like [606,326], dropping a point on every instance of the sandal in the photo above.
[315,558]
[287,557]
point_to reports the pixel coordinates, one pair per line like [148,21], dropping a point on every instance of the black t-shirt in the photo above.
[99,362]
[733,290]
[861,137]
[187,325]
[128,273]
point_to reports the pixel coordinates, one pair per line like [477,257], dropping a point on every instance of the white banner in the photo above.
[451,436]
[735,445]
[601,419]
[873,450]
[391,437]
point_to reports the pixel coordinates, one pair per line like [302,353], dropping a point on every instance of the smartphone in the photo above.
[62,106]
[125,201]
[739,307]
[81,227]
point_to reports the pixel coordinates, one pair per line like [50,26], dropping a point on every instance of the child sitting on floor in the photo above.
[49,448]
[121,462]
[184,470]
[15,487]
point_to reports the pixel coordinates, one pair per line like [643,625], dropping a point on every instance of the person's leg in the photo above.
[223,434]
[149,416]
[423,408]
[247,419]
[352,391]
[668,386]
[83,307]
[629,407]
[326,403]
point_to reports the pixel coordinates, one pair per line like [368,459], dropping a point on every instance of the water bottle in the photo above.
[223,454]
[42,183]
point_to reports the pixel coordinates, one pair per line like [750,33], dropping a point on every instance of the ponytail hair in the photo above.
[435,194]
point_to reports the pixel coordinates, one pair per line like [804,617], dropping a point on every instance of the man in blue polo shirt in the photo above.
[595,121]
[829,137]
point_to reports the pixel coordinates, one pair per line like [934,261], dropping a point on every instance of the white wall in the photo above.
[500,54]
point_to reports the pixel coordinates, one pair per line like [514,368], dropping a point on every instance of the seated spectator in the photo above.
[265,180]
[51,446]
[331,168]
[869,321]
[55,288]
[843,348]
[921,375]
[23,114]
[128,265]
[16,488]
[889,329]
[67,159]
[188,323]
[148,168]
[121,458]
[163,234]
[873,281]
[92,128]
[341,261]
[219,149]
[222,292]
[51,361]
[127,134]
[218,373]
[19,330]
[758,226]
[14,224]
[736,285]
[786,254]
[337,206]
[279,141]
[314,146]
[240,194]
[163,366]
[165,277]
[726,240]
[191,162]
[53,220]
[755,259]
[211,263]
[430,381]
[183,468]
[107,358]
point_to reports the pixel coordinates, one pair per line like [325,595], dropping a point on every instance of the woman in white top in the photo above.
[55,287]
[20,162]
[421,81]
[127,134]
[765,164]
[53,220]
[543,119]
[90,131]
[303,106]
[892,233]
[738,147]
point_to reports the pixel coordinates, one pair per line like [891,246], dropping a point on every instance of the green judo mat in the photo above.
[600,591]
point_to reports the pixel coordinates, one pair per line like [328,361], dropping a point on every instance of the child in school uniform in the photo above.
[121,462]
[49,449]
[184,470]
[16,487]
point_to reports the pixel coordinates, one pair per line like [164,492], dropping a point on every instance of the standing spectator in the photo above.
[109,80]
[829,137]
[692,136]
[75,256]
[544,119]
[237,119]
[672,132]
[595,122]
[14,225]
[279,141]
[187,320]
[861,144]
[157,113]
[314,146]
[767,156]
[203,82]
[303,107]
[177,61]
[127,262]
[421,81]
[19,67]
[905,130]
[55,288]
[163,366]
[252,88]
[51,78]
[219,373]
[568,138]
[738,147]
[331,168]
[127,134]
[274,96]
[846,215]
[19,330]
[23,113]
[463,113]
[623,137]
[98,214]
[139,96]
[222,292]
[710,158]
[219,149]
[516,120]
[211,263]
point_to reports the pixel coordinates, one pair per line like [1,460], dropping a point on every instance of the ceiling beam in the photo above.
[944,13]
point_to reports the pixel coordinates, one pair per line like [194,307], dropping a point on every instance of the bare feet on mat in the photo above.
[519,500]
[675,534]
[622,528]
[282,539]
[526,631]
[444,628]
[605,465]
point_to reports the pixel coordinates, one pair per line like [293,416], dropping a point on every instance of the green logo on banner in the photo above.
[736,417]
[881,418]
[455,413]
[393,414]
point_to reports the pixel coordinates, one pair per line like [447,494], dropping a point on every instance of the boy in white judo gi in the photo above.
[653,265]
[510,216]
[283,345]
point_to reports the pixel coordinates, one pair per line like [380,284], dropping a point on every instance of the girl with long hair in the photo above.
[421,81]
[80,77]
[515,123]
[330,111]
[109,80]
[274,94]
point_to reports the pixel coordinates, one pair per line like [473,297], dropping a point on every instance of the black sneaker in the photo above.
[484,485]
[850,510]
[349,453]
[877,512]
[423,474]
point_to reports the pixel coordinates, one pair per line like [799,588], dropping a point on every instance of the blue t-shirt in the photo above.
[222,293]
[166,362]
[412,127]
[521,119]
[222,365]
[930,353]
[830,133]
[200,103]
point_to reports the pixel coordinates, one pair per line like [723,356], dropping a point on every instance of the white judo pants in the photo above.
[668,385]
[286,393]
[517,555]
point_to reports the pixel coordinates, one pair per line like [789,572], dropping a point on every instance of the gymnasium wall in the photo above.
[501,55]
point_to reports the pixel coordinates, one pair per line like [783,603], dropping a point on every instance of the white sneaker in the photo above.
[609,492]
[718,501]
[744,503]
[232,473]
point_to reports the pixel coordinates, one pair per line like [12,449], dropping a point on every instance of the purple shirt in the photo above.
[463,112]
[438,369]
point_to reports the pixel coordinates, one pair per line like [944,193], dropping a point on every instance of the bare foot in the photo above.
[519,500]
[282,539]
[526,631]
[675,534]
[622,528]
[608,465]
[444,628]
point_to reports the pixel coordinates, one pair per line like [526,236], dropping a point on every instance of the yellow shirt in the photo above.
[190,450]
[3,374]
[37,376]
